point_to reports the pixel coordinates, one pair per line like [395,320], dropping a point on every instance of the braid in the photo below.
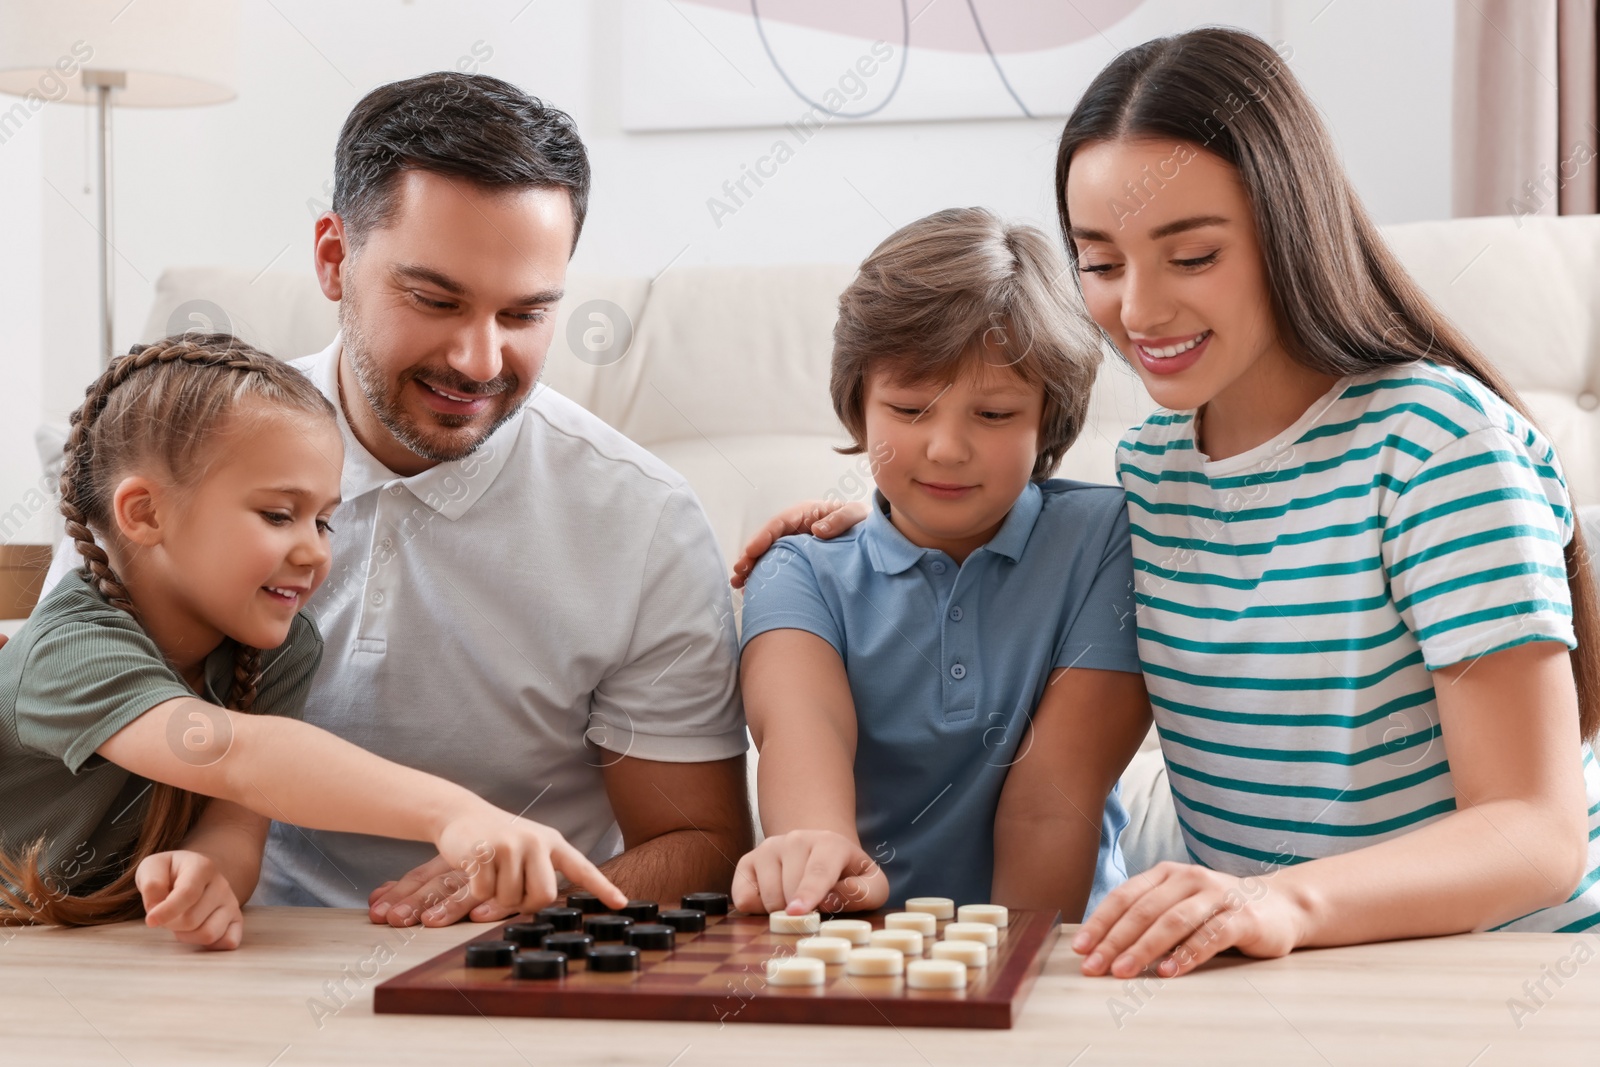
[246,676]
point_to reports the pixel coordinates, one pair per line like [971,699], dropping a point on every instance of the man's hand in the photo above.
[185,892]
[436,894]
[1176,916]
[808,870]
[820,518]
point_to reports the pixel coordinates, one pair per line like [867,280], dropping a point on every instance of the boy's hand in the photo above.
[511,863]
[808,870]
[185,892]
[820,518]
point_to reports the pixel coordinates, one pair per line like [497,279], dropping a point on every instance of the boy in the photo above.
[944,696]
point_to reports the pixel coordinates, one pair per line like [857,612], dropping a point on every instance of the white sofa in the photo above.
[727,375]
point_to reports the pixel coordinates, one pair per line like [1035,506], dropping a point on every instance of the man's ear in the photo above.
[330,249]
[137,510]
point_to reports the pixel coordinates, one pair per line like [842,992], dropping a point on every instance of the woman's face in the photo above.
[1170,266]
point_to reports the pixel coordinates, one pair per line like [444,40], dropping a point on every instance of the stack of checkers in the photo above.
[586,932]
[932,943]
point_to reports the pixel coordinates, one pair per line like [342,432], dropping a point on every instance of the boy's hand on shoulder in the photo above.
[819,518]
[808,870]
[186,893]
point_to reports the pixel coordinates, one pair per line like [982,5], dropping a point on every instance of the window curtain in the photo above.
[1527,108]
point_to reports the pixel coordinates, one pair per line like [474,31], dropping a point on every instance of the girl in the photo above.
[1354,552]
[200,475]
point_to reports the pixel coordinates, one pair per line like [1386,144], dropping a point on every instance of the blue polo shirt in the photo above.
[947,664]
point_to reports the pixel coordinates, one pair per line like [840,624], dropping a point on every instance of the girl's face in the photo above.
[242,551]
[1170,266]
[955,455]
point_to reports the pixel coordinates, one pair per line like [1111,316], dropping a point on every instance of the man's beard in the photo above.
[384,396]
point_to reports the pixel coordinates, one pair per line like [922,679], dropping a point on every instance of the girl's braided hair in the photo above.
[162,404]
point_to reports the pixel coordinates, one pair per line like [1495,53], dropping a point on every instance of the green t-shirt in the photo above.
[77,672]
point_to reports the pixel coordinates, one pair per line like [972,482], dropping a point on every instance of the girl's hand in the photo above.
[806,870]
[1178,915]
[512,862]
[820,518]
[185,892]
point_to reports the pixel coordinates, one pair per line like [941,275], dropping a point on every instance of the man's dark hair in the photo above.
[467,126]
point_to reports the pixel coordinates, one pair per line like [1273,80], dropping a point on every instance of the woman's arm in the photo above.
[1516,843]
[1087,727]
[288,770]
[798,704]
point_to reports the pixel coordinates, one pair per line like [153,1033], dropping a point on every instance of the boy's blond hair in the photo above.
[957,286]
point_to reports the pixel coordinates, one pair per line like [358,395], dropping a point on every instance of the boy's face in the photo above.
[959,453]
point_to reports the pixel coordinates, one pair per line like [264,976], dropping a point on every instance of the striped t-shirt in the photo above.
[1293,600]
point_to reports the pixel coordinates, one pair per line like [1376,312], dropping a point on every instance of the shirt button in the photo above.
[377,598]
[394,490]
[1588,401]
[937,566]
[956,613]
[958,672]
[388,542]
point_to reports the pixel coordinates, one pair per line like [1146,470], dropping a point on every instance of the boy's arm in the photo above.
[1088,725]
[801,714]
[803,720]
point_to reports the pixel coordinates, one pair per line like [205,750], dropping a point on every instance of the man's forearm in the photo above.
[683,861]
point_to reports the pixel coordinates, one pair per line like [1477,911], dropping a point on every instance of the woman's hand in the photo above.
[1178,915]
[808,870]
[186,893]
[820,518]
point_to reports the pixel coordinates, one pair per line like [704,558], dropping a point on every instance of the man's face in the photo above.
[446,315]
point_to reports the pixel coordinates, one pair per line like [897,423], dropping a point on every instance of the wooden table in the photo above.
[300,992]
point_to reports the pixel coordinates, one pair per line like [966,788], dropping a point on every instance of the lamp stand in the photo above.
[103,82]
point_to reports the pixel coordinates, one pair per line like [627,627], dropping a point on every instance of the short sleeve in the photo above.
[1102,635]
[1472,548]
[675,697]
[84,680]
[287,671]
[782,593]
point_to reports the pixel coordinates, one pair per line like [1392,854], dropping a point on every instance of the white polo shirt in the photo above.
[494,619]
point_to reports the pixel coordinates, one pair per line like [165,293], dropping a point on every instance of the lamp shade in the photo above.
[174,53]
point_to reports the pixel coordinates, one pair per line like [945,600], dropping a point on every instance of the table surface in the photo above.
[300,992]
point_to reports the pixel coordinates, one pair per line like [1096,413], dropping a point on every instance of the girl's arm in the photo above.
[1087,727]
[233,838]
[288,770]
[1516,843]
[798,704]
[198,890]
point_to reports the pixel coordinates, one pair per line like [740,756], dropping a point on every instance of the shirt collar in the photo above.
[448,488]
[891,553]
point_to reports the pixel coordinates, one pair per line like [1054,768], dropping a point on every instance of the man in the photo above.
[521,600]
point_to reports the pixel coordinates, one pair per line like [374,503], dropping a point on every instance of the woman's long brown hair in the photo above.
[163,405]
[1341,302]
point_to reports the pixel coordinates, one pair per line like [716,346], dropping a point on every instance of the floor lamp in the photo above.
[145,53]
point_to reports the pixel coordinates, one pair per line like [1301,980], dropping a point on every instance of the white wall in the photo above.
[230,184]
